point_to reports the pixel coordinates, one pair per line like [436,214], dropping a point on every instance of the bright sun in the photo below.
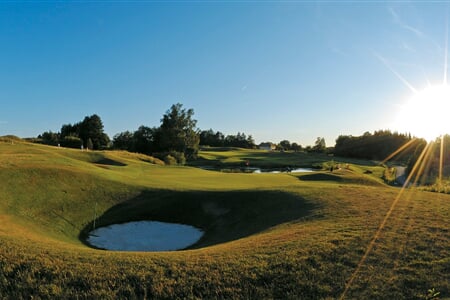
[427,113]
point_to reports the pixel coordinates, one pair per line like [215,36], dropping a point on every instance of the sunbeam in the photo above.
[397,74]
[399,150]
[446,52]
[441,161]
[425,115]
[422,163]
[369,248]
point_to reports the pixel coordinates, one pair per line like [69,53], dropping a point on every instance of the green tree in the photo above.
[144,140]
[319,145]
[92,128]
[49,138]
[71,142]
[70,130]
[178,132]
[376,146]
[285,145]
[212,138]
[124,141]
[296,147]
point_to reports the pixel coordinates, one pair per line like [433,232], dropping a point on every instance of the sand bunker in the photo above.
[144,236]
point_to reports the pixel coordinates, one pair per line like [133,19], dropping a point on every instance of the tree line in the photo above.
[377,146]
[218,139]
[176,140]
[429,174]
[88,134]
[318,147]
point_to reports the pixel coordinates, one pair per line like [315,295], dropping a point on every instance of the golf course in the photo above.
[344,234]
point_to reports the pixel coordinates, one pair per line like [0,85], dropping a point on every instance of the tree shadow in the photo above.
[223,216]
[320,177]
[109,162]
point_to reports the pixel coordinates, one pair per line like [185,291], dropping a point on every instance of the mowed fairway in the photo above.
[288,236]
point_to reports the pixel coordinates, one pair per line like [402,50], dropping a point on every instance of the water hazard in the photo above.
[258,170]
[144,236]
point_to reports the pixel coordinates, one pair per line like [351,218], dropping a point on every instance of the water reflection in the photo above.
[144,236]
[258,170]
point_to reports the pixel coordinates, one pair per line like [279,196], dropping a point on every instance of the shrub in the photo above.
[9,138]
[172,157]
[179,156]
[170,160]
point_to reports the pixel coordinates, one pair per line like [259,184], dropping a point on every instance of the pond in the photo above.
[144,236]
[257,170]
[284,170]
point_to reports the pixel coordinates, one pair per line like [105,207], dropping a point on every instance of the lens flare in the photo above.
[425,114]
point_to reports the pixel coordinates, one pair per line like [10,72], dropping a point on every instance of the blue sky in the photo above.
[278,70]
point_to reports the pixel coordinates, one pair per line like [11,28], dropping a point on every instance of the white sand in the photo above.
[144,236]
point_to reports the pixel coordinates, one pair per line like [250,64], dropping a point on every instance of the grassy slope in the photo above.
[229,157]
[267,235]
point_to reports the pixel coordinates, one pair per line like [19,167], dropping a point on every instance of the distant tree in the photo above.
[219,138]
[417,149]
[123,141]
[240,140]
[251,142]
[143,140]
[377,146]
[71,142]
[209,138]
[49,138]
[92,128]
[285,145]
[296,147]
[70,130]
[70,135]
[319,145]
[231,141]
[178,132]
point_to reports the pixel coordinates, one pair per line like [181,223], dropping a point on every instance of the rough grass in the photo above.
[267,235]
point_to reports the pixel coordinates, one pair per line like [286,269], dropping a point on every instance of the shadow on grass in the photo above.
[223,216]
[320,177]
[109,162]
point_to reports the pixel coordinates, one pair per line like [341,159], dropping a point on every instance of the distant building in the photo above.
[267,146]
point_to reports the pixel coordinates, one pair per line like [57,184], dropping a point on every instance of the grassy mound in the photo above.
[266,235]
[342,176]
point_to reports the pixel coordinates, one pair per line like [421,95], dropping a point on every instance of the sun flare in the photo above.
[426,114]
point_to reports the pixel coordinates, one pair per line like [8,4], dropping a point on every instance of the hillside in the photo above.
[298,235]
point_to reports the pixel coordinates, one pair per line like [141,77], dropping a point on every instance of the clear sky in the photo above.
[278,70]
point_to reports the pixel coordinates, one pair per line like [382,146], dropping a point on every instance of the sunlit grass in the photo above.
[297,236]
